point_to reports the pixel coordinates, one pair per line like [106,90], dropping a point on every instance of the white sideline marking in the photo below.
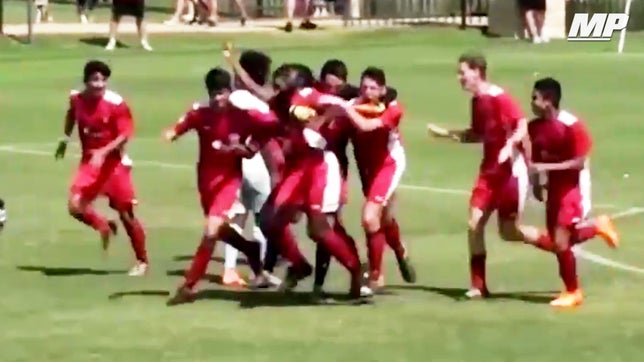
[598,259]
[580,252]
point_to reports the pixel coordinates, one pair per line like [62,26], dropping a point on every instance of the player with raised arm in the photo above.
[311,183]
[502,184]
[225,137]
[105,126]
[381,161]
[560,145]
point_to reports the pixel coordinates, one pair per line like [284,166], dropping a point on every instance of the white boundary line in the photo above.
[578,250]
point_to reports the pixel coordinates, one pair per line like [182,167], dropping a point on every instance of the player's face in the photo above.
[332,82]
[371,90]
[468,78]
[220,98]
[539,104]
[96,84]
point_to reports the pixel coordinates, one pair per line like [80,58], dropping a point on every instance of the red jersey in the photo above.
[557,140]
[219,127]
[377,148]
[100,121]
[337,134]
[495,116]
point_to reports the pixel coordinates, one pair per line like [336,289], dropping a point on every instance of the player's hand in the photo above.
[440,132]
[60,150]
[228,51]
[169,135]
[536,167]
[98,158]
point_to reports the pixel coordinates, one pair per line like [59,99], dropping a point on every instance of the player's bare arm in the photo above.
[264,93]
[517,137]
[466,135]
[362,123]
[68,128]
[572,164]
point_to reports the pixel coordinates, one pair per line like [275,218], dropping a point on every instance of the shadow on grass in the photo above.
[216,279]
[101,42]
[248,299]
[67,272]
[458,294]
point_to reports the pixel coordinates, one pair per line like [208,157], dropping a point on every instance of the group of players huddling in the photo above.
[278,148]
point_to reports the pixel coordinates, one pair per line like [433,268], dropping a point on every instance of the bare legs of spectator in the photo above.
[241,4]
[42,11]
[531,22]
[540,20]
[83,7]
[179,9]
[290,14]
[140,27]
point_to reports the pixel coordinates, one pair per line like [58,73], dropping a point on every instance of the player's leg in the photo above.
[480,210]
[117,12]
[256,188]
[572,296]
[392,234]
[122,198]
[231,276]
[86,186]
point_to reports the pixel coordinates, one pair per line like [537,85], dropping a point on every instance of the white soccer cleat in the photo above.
[265,280]
[139,270]
[83,19]
[366,292]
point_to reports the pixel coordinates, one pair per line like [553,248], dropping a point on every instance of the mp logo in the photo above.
[599,27]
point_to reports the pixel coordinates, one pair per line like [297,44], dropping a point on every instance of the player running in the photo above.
[105,126]
[225,137]
[502,184]
[381,162]
[560,146]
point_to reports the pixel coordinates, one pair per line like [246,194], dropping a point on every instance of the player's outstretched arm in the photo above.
[264,93]
[68,128]
[460,135]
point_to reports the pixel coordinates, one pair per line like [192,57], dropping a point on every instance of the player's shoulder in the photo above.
[567,118]
[495,91]
[200,105]
[112,97]
[245,100]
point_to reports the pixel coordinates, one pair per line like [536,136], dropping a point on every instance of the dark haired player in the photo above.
[560,146]
[225,137]
[105,126]
[381,161]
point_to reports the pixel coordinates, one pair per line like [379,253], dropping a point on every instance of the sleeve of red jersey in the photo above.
[392,115]
[185,123]
[124,121]
[581,140]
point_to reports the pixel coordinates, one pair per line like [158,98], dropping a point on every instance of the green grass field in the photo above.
[64,302]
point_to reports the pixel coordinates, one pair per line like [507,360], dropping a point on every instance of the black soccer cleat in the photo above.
[3,214]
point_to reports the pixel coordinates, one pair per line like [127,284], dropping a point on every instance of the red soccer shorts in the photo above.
[568,209]
[314,185]
[218,193]
[113,180]
[379,186]
[504,194]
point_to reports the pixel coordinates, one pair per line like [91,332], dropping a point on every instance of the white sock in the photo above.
[230,255]
[261,239]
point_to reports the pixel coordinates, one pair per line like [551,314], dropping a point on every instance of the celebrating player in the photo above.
[105,125]
[502,183]
[311,182]
[381,162]
[225,137]
[559,147]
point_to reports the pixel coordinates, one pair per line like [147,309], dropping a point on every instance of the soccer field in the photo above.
[64,302]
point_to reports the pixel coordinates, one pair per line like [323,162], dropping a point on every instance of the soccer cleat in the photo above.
[568,299]
[607,231]
[106,235]
[232,278]
[476,293]
[139,269]
[407,270]
[183,295]
[265,280]
[319,296]
[146,46]
[111,44]
[293,277]
[308,25]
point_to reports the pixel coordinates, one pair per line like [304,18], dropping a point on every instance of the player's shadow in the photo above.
[100,41]
[66,272]
[215,279]
[458,294]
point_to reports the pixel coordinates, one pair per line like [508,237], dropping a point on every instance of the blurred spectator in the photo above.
[533,15]
[306,24]
[135,8]
[42,11]
[184,11]
[83,7]
[213,18]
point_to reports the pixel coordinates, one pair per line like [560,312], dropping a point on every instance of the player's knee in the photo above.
[317,225]
[509,231]
[213,226]
[371,218]
[74,207]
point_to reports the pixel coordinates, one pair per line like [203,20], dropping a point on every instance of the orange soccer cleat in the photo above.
[568,299]
[232,278]
[607,231]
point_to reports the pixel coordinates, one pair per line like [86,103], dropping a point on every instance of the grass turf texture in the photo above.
[63,302]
